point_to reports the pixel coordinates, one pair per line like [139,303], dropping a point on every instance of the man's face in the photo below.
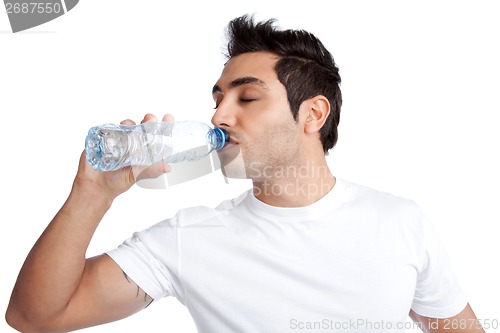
[252,105]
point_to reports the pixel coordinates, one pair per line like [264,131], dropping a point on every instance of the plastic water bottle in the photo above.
[111,146]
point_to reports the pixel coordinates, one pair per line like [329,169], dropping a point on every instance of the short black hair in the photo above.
[306,68]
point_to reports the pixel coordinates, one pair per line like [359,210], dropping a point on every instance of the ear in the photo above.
[316,111]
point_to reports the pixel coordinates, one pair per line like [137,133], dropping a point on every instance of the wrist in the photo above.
[89,194]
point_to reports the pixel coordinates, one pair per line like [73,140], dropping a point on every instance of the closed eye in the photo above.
[242,100]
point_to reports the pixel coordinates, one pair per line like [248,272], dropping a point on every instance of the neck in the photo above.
[294,185]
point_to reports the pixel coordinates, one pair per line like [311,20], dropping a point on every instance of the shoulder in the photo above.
[387,209]
[364,195]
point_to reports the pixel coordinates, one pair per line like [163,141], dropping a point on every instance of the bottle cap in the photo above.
[221,138]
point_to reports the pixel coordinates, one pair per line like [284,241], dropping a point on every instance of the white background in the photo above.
[420,117]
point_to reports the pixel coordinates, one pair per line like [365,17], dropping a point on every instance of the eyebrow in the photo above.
[241,81]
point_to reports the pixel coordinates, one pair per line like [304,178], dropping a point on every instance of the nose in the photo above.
[223,117]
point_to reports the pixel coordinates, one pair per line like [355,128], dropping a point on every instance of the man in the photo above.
[300,250]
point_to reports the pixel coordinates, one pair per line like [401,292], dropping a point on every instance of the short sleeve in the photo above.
[437,293]
[149,258]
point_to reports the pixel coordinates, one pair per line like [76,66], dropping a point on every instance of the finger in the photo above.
[153,171]
[168,117]
[149,118]
[127,122]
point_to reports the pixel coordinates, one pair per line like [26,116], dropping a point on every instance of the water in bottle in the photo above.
[111,146]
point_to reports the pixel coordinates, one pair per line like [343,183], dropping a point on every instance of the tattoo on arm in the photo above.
[146,296]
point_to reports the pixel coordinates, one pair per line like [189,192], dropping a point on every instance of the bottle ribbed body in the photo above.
[111,146]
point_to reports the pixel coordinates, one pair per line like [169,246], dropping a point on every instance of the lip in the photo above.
[230,145]
[232,139]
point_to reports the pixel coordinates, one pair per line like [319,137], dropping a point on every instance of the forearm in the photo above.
[53,269]
[56,282]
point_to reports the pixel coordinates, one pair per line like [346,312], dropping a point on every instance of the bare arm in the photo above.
[58,289]
[464,322]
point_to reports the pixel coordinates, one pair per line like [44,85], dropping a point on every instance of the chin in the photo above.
[234,167]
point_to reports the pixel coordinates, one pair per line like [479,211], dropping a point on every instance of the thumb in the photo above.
[153,171]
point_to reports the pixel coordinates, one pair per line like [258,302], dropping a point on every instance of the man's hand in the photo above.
[58,289]
[113,183]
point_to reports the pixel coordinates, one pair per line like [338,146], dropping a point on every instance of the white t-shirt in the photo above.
[356,260]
